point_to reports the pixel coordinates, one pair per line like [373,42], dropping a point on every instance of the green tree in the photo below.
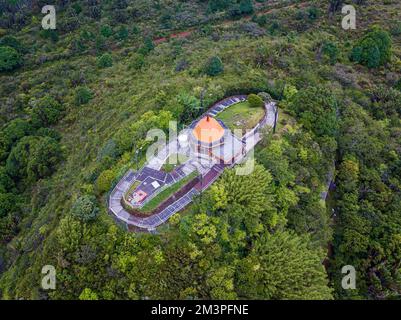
[147,46]
[137,61]
[33,158]
[6,183]
[10,215]
[246,201]
[49,34]
[88,294]
[8,203]
[282,266]
[317,109]
[246,6]
[214,66]
[46,111]
[14,131]
[105,60]
[331,50]
[218,5]
[374,49]
[122,33]
[221,284]
[9,58]
[83,95]
[10,41]
[106,31]
[85,208]
[103,182]
[255,101]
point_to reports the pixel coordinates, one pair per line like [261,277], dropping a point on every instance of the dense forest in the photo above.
[76,103]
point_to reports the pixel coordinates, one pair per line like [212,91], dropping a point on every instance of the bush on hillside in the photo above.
[105,61]
[374,49]
[9,58]
[255,101]
[83,95]
[85,208]
[214,66]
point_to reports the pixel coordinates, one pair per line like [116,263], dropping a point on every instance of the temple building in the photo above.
[210,138]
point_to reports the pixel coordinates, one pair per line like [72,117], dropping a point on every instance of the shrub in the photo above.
[316,107]
[265,97]
[8,203]
[181,65]
[103,182]
[214,66]
[10,41]
[6,183]
[105,61]
[331,50]
[313,13]
[33,158]
[136,30]
[77,8]
[262,20]
[49,34]
[88,294]
[9,58]
[289,91]
[147,46]
[374,49]
[255,101]
[85,208]
[46,111]
[218,5]
[122,33]
[106,31]
[137,61]
[47,132]
[83,95]
[246,6]
[274,27]
[14,131]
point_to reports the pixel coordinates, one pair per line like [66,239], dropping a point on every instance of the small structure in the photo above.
[137,197]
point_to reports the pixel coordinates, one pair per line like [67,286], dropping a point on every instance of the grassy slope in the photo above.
[122,95]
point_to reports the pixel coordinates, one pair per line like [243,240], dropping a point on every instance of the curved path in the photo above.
[209,176]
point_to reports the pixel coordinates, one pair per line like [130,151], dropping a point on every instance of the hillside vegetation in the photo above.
[75,106]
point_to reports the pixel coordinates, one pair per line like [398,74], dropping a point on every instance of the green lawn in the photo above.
[166,193]
[241,116]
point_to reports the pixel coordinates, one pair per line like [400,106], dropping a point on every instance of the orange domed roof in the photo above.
[208,130]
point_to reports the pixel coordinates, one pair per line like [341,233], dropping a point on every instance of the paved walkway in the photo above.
[209,174]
